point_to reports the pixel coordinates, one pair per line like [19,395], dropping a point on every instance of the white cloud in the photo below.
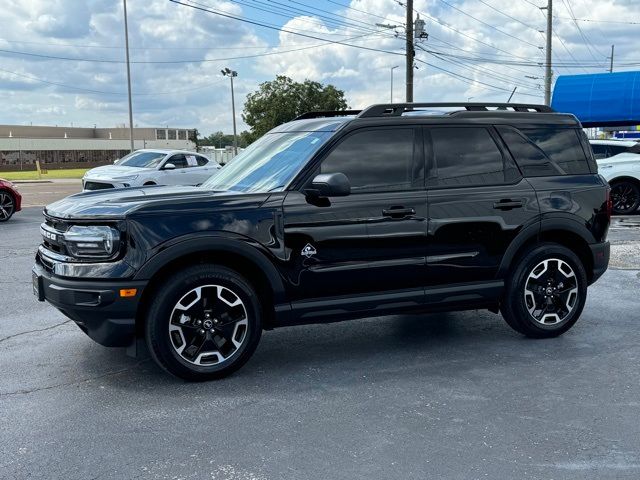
[163,31]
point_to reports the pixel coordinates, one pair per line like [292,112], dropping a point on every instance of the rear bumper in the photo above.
[95,306]
[601,253]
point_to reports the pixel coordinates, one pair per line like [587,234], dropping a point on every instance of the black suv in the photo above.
[337,215]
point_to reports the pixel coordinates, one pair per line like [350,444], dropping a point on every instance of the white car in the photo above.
[619,163]
[151,167]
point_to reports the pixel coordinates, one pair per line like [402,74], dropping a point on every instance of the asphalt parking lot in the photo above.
[456,396]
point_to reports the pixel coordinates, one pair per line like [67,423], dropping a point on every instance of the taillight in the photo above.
[609,204]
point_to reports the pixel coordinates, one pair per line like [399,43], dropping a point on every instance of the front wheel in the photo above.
[625,197]
[7,206]
[204,323]
[546,292]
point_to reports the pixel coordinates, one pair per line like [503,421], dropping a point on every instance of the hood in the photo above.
[117,203]
[109,172]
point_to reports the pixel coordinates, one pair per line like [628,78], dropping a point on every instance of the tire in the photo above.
[193,301]
[7,205]
[625,197]
[531,306]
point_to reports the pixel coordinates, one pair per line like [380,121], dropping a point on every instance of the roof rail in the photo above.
[327,113]
[397,109]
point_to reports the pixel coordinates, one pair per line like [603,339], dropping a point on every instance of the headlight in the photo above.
[92,241]
[126,177]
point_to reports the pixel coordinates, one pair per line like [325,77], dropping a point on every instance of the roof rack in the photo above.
[327,114]
[397,109]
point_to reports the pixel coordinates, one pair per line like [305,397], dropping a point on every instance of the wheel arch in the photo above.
[625,178]
[235,254]
[564,231]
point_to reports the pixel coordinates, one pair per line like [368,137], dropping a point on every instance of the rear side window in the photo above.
[201,161]
[377,160]
[468,156]
[562,147]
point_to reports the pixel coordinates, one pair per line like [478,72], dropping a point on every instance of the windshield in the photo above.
[269,163]
[141,159]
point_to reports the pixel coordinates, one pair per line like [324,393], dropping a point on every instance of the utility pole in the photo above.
[126,44]
[409,52]
[391,96]
[547,66]
[613,47]
[227,72]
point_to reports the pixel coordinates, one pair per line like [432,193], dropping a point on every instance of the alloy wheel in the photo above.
[208,325]
[624,197]
[551,291]
[6,206]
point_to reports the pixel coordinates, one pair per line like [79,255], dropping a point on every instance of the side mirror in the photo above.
[169,166]
[329,185]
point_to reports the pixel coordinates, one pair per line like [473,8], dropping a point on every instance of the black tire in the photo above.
[164,308]
[516,304]
[625,197]
[7,205]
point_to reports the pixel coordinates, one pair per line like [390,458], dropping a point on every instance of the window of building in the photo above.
[161,134]
[171,134]
[182,134]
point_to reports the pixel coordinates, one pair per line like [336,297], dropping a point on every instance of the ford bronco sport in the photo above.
[339,215]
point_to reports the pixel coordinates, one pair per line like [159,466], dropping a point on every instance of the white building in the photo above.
[21,146]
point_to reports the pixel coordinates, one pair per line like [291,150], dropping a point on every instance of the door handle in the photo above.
[398,212]
[508,204]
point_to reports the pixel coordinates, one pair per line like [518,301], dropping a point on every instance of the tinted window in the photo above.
[376,160]
[202,161]
[531,160]
[562,147]
[617,149]
[600,151]
[467,156]
[179,161]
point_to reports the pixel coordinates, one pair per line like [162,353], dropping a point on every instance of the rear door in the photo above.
[478,203]
[373,240]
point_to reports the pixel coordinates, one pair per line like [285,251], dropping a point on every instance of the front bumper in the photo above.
[601,253]
[95,306]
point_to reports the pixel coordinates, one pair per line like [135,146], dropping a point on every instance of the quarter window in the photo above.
[468,156]
[563,148]
[377,160]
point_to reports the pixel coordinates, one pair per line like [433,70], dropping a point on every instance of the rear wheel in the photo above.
[546,292]
[204,323]
[625,197]
[7,206]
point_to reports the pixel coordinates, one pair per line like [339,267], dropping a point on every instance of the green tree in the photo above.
[281,100]
[220,139]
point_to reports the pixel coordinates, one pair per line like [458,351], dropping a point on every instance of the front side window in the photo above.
[179,161]
[376,160]
[467,156]
[268,164]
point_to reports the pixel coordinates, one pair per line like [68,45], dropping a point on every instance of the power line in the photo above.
[588,43]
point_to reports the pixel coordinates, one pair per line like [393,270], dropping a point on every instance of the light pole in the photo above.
[126,43]
[227,72]
[392,69]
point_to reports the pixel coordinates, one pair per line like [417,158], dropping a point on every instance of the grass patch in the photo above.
[69,173]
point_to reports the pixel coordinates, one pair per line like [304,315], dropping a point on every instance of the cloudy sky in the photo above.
[63,60]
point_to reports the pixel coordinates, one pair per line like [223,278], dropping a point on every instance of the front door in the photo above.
[478,203]
[373,240]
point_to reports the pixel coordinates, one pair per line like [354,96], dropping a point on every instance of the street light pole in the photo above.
[126,43]
[392,69]
[227,72]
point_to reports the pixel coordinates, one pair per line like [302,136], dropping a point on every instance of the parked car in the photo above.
[620,165]
[151,167]
[333,217]
[10,200]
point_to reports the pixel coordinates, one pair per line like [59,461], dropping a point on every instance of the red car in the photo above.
[10,200]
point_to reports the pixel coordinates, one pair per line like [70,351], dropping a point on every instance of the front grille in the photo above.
[97,186]
[52,232]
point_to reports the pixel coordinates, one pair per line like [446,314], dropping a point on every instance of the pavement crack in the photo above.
[35,331]
[76,382]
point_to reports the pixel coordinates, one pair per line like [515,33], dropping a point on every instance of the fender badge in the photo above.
[309,250]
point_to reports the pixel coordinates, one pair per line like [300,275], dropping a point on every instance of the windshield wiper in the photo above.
[275,188]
